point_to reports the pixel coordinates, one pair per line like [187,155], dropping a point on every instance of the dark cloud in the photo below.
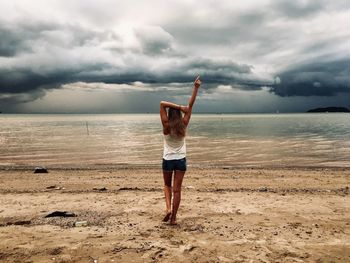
[315,79]
[21,80]
[10,43]
[8,99]
[25,37]
[53,65]
[224,72]
[24,80]
[18,38]
[154,40]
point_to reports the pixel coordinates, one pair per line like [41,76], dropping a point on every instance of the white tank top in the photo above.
[174,147]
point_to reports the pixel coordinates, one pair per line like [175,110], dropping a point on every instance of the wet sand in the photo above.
[226,215]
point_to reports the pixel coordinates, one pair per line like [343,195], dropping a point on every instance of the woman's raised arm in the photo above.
[167,104]
[188,110]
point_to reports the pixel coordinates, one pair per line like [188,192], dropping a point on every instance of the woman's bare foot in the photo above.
[167,216]
[173,221]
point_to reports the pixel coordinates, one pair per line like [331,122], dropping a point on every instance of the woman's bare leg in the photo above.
[167,176]
[178,177]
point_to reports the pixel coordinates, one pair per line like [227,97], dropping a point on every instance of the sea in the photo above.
[213,140]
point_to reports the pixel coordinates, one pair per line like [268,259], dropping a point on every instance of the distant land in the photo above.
[330,109]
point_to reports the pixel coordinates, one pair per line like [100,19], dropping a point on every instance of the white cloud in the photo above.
[100,86]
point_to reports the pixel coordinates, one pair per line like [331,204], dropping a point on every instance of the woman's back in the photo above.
[174,147]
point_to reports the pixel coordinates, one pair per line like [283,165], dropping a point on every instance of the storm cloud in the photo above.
[61,54]
[316,78]
[287,49]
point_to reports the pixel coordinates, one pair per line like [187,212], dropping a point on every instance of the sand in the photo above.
[226,215]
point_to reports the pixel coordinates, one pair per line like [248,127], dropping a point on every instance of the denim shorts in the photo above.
[172,165]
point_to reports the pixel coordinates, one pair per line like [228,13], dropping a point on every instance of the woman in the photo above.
[174,155]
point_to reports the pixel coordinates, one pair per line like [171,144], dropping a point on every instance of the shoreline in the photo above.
[116,167]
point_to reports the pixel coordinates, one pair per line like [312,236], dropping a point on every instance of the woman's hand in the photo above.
[184,109]
[197,82]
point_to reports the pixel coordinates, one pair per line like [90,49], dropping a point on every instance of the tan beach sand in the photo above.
[226,215]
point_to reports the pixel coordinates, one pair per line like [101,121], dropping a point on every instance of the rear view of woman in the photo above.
[174,155]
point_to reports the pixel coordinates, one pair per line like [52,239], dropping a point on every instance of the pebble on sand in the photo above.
[40,170]
[263,189]
[81,223]
[61,214]
[102,189]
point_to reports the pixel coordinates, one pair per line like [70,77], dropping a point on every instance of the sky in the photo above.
[104,56]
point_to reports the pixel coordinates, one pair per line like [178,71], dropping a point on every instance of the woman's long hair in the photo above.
[176,124]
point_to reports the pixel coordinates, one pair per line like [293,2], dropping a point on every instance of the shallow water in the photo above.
[68,140]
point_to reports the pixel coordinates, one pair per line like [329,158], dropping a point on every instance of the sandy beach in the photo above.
[226,215]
